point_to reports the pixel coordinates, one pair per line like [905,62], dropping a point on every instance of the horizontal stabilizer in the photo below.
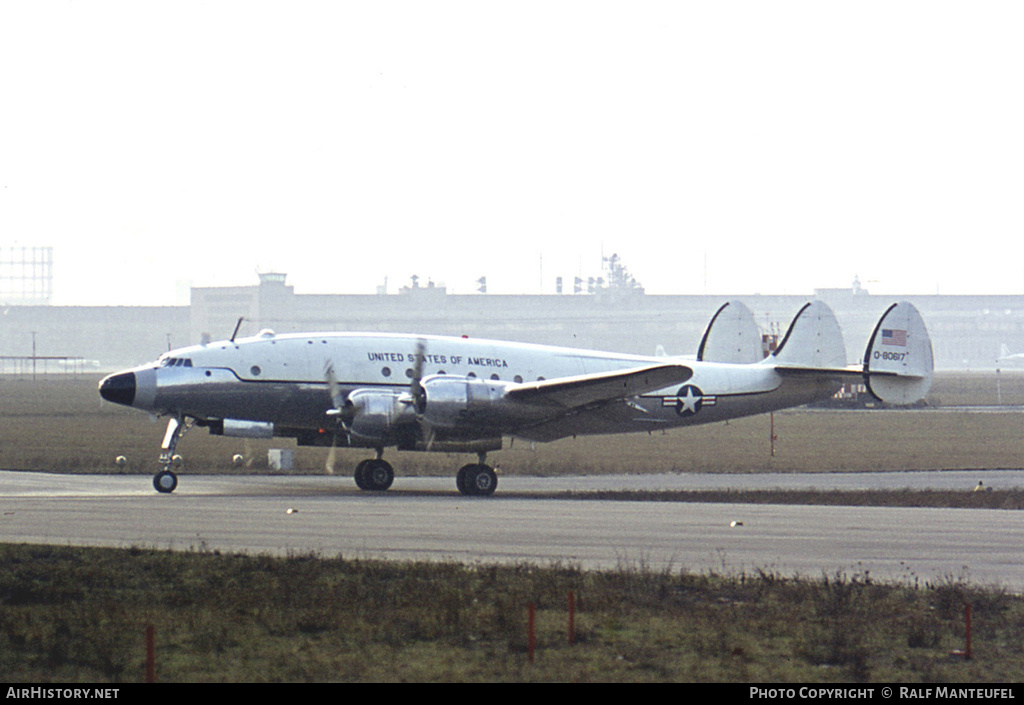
[584,390]
[814,341]
[898,362]
[732,336]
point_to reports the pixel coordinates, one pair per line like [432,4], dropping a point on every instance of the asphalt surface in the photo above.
[425,518]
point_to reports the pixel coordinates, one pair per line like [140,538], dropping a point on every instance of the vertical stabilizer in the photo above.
[813,341]
[898,362]
[732,336]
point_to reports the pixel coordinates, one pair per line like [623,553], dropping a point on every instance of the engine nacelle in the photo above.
[372,415]
[451,401]
[448,405]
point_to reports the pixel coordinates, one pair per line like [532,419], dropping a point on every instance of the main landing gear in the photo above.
[474,480]
[477,480]
[375,474]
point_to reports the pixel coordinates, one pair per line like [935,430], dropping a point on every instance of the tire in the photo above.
[460,479]
[360,475]
[477,481]
[377,476]
[165,482]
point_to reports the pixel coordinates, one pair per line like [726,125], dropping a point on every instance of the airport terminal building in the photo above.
[968,332]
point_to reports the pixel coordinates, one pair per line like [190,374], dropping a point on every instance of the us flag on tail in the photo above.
[891,336]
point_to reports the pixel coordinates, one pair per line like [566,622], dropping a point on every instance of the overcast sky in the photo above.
[719,147]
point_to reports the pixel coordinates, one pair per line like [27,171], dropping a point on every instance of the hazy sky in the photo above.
[727,147]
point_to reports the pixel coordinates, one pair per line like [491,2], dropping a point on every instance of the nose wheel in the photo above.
[166,481]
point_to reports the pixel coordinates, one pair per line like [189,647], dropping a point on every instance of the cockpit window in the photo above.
[176,362]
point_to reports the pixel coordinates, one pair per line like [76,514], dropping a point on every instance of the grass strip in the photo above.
[79,615]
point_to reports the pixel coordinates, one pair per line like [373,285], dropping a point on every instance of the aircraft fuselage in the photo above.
[280,380]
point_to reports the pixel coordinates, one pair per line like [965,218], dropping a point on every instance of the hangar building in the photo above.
[968,332]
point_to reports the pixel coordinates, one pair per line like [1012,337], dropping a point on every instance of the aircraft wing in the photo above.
[584,391]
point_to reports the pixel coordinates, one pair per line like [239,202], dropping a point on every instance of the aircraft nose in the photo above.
[119,388]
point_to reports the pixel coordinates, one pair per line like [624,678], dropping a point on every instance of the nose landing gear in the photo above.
[165,481]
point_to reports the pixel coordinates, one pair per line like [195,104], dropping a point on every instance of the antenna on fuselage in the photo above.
[237,326]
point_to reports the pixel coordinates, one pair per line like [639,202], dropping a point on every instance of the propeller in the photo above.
[336,412]
[416,390]
[331,455]
[334,389]
[418,395]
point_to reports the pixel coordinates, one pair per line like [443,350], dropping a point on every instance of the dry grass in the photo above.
[79,615]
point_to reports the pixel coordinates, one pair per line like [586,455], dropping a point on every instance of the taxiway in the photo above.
[425,518]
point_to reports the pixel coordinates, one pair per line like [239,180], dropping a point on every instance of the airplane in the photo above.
[1006,356]
[449,394]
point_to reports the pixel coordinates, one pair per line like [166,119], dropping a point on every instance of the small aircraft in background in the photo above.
[431,393]
[1005,356]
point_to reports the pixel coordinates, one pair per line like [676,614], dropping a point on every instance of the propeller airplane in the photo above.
[433,393]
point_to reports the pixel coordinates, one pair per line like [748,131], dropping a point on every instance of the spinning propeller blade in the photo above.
[329,466]
[338,402]
[333,388]
[418,394]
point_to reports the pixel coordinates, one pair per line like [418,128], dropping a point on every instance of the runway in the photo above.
[425,518]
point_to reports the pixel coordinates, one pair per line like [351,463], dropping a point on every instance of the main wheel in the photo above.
[360,475]
[477,481]
[165,481]
[374,475]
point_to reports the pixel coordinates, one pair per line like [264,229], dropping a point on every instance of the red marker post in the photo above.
[150,654]
[966,653]
[531,635]
[967,620]
[572,618]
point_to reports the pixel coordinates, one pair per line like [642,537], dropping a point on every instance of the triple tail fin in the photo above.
[814,342]
[732,336]
[898,362]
